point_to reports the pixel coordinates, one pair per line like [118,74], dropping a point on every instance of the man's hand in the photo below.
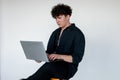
[54,56]
[67,58]
[38,61]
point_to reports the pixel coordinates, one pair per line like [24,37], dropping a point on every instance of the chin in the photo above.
[60,26]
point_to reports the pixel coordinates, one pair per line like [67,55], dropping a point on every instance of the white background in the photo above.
[31,20]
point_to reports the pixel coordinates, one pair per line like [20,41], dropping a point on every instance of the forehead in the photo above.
[60,16]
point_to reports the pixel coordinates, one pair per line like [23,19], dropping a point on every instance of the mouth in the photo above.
[58,24]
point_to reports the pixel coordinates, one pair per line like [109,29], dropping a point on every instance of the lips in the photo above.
[58,23]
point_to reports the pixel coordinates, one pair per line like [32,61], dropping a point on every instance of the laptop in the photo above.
[34,50]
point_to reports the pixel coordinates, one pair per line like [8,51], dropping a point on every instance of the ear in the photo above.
[68,17]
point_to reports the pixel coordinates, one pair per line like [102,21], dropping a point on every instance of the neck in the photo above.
[67,25]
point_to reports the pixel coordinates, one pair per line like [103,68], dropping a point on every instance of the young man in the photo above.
[65,47]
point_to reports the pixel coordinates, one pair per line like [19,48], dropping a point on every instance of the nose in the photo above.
[57,20]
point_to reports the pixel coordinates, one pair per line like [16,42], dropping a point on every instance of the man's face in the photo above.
[62,20]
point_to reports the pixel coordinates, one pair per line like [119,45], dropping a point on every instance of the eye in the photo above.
[59,17]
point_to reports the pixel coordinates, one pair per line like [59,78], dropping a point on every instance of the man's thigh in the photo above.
[56,69]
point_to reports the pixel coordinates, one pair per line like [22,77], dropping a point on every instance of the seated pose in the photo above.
[65,48]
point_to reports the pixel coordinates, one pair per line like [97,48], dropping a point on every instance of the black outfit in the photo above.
[71,42]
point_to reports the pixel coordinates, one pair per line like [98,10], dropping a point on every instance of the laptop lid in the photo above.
[34,50]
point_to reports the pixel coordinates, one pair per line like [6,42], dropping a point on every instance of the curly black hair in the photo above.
[61,9]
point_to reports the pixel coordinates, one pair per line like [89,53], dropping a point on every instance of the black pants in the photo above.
[51,69]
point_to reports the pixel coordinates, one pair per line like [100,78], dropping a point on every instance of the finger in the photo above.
[54,58]
[50,57]
[38,61]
